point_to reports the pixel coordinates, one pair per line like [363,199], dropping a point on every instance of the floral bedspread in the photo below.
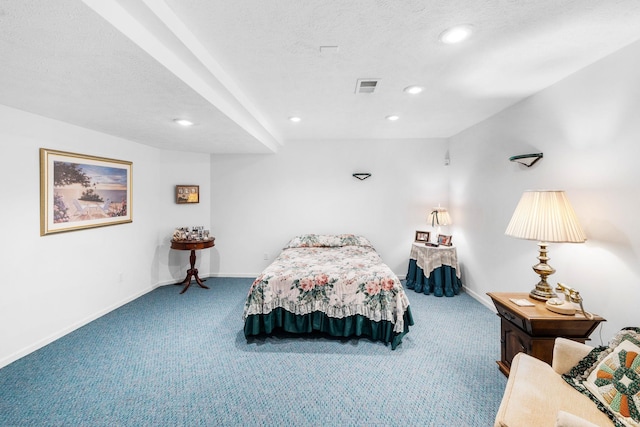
[340,276]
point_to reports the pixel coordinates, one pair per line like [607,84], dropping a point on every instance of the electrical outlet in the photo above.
[266,256]
[121,277]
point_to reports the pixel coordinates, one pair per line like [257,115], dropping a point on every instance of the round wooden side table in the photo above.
[193,246]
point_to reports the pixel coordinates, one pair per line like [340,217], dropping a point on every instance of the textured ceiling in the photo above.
[239,69]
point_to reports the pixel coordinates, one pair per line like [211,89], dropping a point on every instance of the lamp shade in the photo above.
[546,216]
[439,216]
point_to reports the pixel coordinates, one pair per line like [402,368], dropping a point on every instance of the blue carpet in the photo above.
[182,360]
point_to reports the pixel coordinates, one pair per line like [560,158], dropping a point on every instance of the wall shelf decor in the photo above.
[526,159]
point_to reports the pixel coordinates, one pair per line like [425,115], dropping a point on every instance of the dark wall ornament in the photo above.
[362,175]
[526,159]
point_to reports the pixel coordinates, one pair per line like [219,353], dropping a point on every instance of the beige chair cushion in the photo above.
[535,394]
[566,419]
[567,353]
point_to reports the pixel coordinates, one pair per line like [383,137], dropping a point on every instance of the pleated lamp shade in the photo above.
[439,216]
[546,216]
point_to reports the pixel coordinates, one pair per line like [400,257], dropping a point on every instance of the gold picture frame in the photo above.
[79,191]
[187,194]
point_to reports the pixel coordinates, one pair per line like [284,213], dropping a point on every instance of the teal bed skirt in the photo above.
[354,326]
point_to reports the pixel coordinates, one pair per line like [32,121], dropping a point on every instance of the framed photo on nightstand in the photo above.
[444,239]
[422,236]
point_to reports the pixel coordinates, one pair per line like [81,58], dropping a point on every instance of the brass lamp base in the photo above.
[543,291]
[542,294]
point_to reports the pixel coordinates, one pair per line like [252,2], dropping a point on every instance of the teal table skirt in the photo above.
[441,282]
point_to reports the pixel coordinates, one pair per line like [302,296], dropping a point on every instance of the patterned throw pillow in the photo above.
[353,240]
[610,376]
[303,241]
[327,241]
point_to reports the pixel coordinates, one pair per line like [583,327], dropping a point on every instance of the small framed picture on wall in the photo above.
[187,194]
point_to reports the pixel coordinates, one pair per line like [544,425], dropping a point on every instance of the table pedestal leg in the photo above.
[192,272]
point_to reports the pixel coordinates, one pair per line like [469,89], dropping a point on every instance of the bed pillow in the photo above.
[327,241]
[610,376]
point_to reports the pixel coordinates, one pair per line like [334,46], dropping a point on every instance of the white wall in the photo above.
[252,203]
[179,168]
[588,127]
[261,201]
[53,284]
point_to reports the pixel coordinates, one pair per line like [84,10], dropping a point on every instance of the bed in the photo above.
[333,284]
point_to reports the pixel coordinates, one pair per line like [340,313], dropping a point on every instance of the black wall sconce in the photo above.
[362,175]
[526,159]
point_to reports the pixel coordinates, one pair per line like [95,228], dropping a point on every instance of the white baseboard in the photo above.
[57,335]
[482,299]
[236,275]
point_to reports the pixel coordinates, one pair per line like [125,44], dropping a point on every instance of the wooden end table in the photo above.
[193,246]
[533,330]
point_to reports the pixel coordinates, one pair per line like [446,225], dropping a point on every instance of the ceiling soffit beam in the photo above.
[163,36]
[180,30]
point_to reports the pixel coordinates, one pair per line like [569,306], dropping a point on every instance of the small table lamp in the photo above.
[546,216]
[438,217]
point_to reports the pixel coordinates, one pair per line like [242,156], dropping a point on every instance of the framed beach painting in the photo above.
[187,194]
[79,191]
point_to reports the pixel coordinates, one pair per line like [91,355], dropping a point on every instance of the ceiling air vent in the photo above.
[366,85]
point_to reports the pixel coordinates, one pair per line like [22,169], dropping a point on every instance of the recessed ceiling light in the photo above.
[183,122]
[295,119]
[413,89]
[393,117]
[456,34]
